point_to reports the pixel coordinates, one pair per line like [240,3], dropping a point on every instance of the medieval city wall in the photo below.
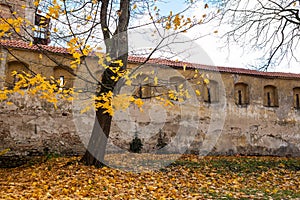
[32,127]
[235,113]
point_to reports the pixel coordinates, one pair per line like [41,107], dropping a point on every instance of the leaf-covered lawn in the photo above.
[190,177]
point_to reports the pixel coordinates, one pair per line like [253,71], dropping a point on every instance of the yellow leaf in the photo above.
[9,103]
[4,151]
[275,191]
[151,188]
[128,82]
[155,80]
[89,17]
[139,103]
[36,3]
[197,92]
[13,73]
[73,66]
[40,56]
[206,81]
[65,191]
[134,6]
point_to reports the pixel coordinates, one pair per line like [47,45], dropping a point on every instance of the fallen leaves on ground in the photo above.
[190,177]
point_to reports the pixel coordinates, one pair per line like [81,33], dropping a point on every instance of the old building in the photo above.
[239,111]
[249,112]
[37,26]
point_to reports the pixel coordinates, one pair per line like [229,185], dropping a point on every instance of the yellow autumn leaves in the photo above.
[7,25]
[37,85]
[77,49]
[14,23]
[52,91]
[190,177]
[111,103]
[177,22]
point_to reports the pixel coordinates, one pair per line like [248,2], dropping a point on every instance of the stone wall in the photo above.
[33,127]
[197,125]
[28,13]
[251,130]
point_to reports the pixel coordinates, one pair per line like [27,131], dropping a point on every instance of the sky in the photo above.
[234,56]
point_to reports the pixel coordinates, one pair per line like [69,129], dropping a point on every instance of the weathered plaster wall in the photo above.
[47,64]
[34,127]
[28,13]
[251,130]
[31,127]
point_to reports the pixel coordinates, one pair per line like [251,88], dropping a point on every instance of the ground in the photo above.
[190,177]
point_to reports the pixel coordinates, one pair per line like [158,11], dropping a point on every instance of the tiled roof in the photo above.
[179,64]
[171,63]
[24,45]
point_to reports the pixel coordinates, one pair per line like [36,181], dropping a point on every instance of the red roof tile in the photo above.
[171,63]
[180,64]
[24,45]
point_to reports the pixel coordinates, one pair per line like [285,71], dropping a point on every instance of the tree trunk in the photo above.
[117,49]
[95,151]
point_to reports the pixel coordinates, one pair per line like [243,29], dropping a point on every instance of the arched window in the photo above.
[270,96]
[296,94]
[211,92]
[17,66]
[177,88]
[241,94]
[142,87]
[65,78]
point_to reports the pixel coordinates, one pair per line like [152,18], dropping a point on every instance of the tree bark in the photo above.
[95,151]
[117,49]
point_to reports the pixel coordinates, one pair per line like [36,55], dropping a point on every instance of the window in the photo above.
[296,94]
[208,95]
[61,82]
[143,91]
[14,66]
[41,34]
[65,77]
[142,87]
[240,97]
[211,92]
[177,89]
[270,96]
[241,94]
